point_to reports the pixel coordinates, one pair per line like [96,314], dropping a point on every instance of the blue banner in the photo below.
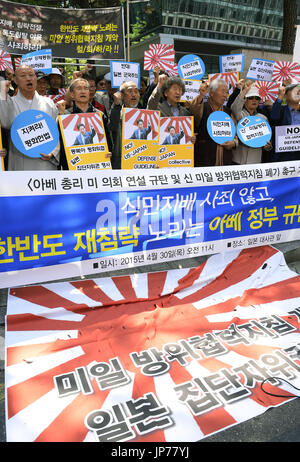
[63,218]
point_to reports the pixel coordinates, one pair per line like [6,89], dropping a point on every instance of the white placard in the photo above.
[261,69]
[124,72]
[232,63]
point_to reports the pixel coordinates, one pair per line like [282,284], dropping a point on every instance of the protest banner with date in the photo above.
[171,356]
[140,132]
[84,141]
[89,221]
[175,146]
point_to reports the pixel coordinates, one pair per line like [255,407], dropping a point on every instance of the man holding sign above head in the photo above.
[207,152]
[245,105]
[10,107]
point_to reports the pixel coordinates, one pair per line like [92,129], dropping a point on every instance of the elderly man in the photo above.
[79,91]
[27,98]
[127,96]
[207,152]
[288,114]
[246,104]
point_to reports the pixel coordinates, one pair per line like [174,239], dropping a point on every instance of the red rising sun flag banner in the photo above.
[286,70]
[169,356]
[5,61]
[159,55]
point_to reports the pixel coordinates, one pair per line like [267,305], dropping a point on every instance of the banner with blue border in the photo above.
[108,221]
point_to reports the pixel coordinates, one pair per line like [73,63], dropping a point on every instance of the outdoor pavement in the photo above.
[281,424]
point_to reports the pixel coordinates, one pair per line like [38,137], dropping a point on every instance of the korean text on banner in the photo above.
[77,223]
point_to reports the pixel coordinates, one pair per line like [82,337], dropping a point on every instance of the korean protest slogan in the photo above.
[84,141]
[92,34]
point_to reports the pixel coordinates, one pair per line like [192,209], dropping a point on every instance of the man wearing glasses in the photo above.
[246,104]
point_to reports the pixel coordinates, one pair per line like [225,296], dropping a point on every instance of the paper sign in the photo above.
[287,138]
[84,141]
[261,69]
[123,72]
[232,63]
[140,129]
[160,55]
[220,127]
[191,89]
[40,60]
[5,61]
[176,148]
[191,67]
[34,132]
[286,70]
[254,131]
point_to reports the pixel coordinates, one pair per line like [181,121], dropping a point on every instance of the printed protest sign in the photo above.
[160,55]
[254,131]
[191,89]
[140,129]
[286,70]
[191,67]
[220,127]
[261,69]
[84,141]
[176,148]
[40,60]
[34,132]
[232,63]
[287,138]
[123,72]
[5,61]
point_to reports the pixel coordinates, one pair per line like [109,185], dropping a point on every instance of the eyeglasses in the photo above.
[257,98]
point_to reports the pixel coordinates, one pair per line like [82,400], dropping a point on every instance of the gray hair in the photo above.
[214,84]
[126,84]
[174,80]
[71,87]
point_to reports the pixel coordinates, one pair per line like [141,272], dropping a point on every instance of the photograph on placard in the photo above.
[175,142]
[84,141]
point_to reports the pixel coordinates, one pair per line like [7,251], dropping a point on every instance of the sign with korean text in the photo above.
[124,72]
[81,33]
[175,145]
[171,356]
[191,67]
[91,221]
[191,89]
[34,132]
[84,141]
[232,63]
[261,69]
[220,127]
[140,132]
[254,131]
[40,60]
[287,138]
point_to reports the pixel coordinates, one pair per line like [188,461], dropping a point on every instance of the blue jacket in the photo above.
[176,138]
[143,133]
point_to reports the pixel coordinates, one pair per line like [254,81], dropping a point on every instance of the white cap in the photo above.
[253,92]
[55,71]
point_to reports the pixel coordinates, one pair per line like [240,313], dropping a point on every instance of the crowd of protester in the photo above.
[26,89]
